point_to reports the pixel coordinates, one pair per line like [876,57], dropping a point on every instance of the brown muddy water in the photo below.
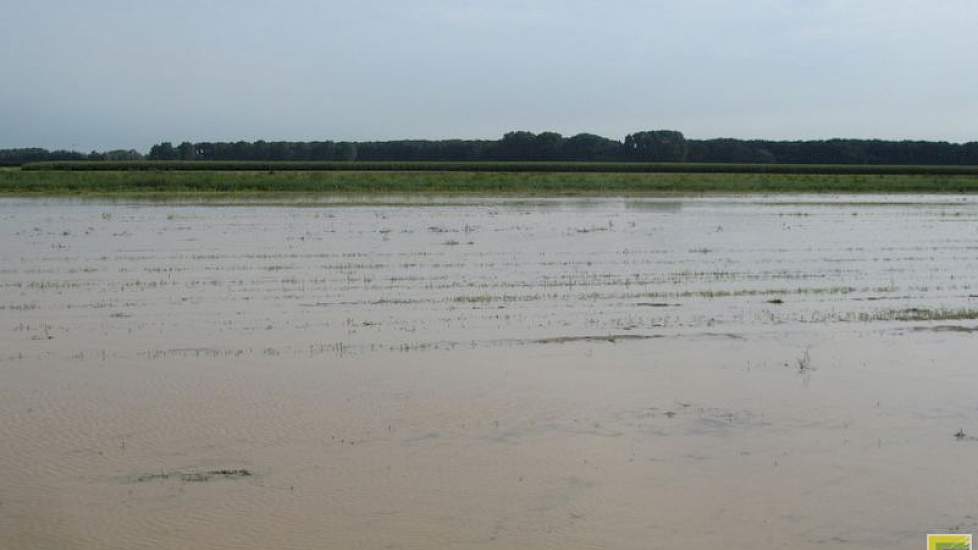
[743,372]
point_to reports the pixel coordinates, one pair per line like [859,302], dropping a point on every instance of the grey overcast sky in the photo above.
[129,73]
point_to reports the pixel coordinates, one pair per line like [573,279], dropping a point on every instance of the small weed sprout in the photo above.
[804,363]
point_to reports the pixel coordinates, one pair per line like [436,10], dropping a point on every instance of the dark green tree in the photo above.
[547,146]
[185,151]
[516,146]
[656,146]
[590,147]
[346,150]
[163,151]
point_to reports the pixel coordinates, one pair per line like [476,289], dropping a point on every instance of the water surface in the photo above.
[437,372]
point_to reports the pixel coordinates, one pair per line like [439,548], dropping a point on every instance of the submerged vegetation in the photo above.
[73,182]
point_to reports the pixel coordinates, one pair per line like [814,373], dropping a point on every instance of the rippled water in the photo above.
[393,372]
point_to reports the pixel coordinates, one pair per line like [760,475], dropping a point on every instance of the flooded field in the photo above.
[726,372]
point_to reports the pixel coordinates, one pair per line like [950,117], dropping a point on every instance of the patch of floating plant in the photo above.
[484,298]
[345,349]
[197,352]
[591,229]
[919,314]
[611,338]
[947,328]
[730,335]
[192,476]
[878,298]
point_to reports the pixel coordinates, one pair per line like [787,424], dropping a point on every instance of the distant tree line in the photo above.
[647,146]
[37,154]
[659,145]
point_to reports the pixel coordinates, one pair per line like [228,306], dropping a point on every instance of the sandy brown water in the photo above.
[385,372]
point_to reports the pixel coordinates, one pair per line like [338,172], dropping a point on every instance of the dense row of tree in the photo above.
[833,151]
[661,145]
[36,154]
[649,146]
